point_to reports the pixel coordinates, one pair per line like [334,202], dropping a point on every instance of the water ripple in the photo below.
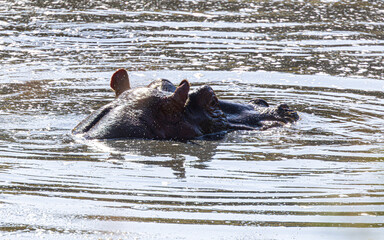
[322,177]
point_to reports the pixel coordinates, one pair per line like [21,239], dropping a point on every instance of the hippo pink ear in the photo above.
[180,95]
[120,81]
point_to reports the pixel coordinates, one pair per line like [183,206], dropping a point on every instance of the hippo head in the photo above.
[153,114]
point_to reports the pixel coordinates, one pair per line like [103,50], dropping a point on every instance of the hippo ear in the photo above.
[120,81]
[180,95]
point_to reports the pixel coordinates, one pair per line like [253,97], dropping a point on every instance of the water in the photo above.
[322,178]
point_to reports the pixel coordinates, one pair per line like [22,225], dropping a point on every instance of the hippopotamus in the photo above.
[257,113]
[163,111]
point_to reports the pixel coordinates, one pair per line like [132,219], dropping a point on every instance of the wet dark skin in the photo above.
[256,113]
[164,111]
[150,113]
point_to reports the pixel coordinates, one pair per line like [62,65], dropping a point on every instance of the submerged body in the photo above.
[164,111]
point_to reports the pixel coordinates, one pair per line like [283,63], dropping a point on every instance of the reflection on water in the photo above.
[333,37]
[322,177]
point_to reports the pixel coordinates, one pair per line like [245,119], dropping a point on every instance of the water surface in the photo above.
[321,178]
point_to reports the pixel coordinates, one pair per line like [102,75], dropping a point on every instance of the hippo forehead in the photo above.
[140,97]
[163,85]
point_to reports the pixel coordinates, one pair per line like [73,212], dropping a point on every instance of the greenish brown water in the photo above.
[322,178]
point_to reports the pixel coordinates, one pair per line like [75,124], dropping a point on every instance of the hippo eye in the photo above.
[213,102]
